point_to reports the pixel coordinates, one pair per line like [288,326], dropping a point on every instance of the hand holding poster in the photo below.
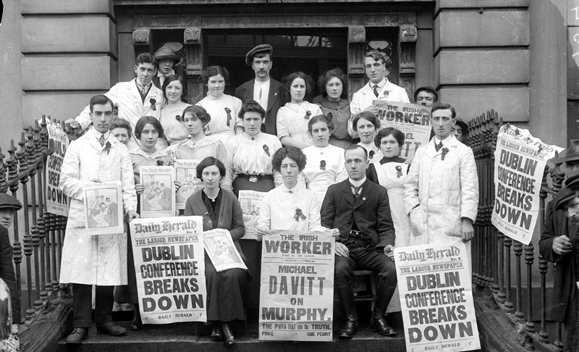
[170,268]
[520,161]
[436,298]
[158,198]
[103,207]
[56,201]
[250,205]
[411,119]
[297,287]
[221,250]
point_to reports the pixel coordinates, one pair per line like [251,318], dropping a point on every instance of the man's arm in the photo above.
[83,119]
[128,181]
[548,236]
[328,210]
[384,225]
[468,185]
[411,199]
[70,182]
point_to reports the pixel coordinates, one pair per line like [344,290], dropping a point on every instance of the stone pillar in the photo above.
[482,57]
[142,41]
[356,51]
[193,42]
[69,54]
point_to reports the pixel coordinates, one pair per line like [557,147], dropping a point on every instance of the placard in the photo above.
[436,298]
[186,174]
[411,119]
[250,205]
[158,198]
[56,201]
[170,268]
[103,207]
[221,250]
[520,161]
[297,287]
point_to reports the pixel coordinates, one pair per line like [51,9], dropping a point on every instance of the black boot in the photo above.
[378,322]
[346,297]
[137,323]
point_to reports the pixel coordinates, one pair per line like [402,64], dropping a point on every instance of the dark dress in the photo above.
[7,273]
[226,290]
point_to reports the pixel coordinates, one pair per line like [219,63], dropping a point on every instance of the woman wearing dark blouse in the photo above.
[220,209]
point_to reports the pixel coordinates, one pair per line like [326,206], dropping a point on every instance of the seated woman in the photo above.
[335,105]
[174,90]
[226,290]
[293,117]
[289,206]
[222,107]
[199,146]
[122,130]
[148,130]
[326,164]
[390,172]
[366,124]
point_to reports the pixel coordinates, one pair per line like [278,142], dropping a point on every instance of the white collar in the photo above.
[380,85]
[444,141]
[98,135]
[284,188]
[357,183]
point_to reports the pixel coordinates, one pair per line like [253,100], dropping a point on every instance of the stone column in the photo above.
[193,40]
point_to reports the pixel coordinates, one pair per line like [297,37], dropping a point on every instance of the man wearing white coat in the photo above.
[136,98]
[441,189]
[87,259]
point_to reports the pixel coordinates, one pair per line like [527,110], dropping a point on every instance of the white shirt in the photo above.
[261,92]
[325,166]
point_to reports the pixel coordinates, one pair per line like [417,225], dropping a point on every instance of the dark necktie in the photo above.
[375,89]
[437,146]
[356,190]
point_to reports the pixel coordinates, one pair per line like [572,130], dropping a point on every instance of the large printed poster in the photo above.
[297,287]
[436,298]
[411,119]
[186,174]
[520,161]
[56,201]
[170,269]
[103,207]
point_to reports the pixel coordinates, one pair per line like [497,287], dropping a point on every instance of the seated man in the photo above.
[360,210]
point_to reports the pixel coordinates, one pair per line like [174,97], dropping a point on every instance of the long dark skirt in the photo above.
[226,293]
[252,248]
[128,293]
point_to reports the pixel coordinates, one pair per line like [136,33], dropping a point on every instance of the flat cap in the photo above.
[8,202]
[564,195]
[425,89]
[260,49]
[572,181]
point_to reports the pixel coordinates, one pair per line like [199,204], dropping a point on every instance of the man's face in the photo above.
[6,217]
[375,70]
[572,209]
[425,98]
[442,123]
[356,163]
[145,72]
[101,117]
[261,66]
[166,65]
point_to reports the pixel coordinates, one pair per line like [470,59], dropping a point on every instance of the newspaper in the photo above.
[221,250]
[103,207]
[158,198]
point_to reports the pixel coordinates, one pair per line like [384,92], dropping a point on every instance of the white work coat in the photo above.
[444,190]
[364,97]
[94,259]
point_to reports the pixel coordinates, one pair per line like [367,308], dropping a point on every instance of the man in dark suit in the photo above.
[263,89]
[360,210]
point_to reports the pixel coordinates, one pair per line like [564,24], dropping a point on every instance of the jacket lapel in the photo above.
[348,195]
[274,91]
[363,197]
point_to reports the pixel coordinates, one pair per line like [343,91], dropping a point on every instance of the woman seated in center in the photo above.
[226,290]
[289,206]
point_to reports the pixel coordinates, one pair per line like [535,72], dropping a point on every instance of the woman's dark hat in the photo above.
[260,49]
[7,202]
[169,51]
[571,154]
[463,126]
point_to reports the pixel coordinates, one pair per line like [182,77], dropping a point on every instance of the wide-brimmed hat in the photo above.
[573,181]
[260,49]
[571,154]
[564,195]
[425,89]
[169,51]
[7,202]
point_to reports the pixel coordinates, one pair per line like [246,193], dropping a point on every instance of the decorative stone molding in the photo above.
[142,36]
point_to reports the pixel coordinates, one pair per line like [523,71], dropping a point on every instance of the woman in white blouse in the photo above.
[366,124]
[289,206]
[293,117]
[325,162]
[222,107]
[174,88]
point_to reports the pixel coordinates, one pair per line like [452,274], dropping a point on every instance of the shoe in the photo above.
[216,333]
[137,323]
[76,336]
[227,335]
[380,326]
[111,329]
[349,330]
